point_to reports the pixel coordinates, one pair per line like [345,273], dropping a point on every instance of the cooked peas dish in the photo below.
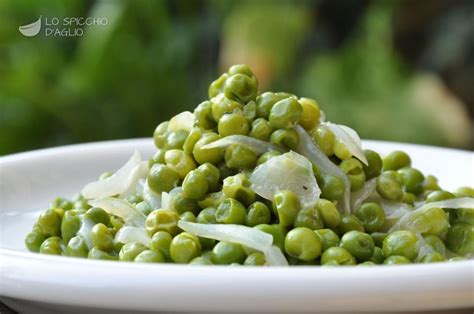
[260,179]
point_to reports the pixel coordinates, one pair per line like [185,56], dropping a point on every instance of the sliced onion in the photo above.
[275,257]
[350,138]
[128,234]
[121,208]
[250,237]
[117,183]
[423,247]
[358,197]
[182,121]
[258,146]
[290,171]
[153,199]
[311,151]
[135,187]
[85,231]
[165,201]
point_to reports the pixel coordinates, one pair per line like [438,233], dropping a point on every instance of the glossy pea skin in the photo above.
[461,215]
[332,188]
[378,238]
[240,156]
[159,136]
[285,113]
[374,167]
[437,196]
[201,260]
[359,244]
[255,259]
[77,247]
[257,213]
[436,243]
[353,169]
[188,216]
[377,257]
[160,242]
[180,162]
[238,187]
[207,216]
[286,138]
[149,256]
[129,251]
[226,253]
[311,113]
[250,111]
[276,232]
[34,239]
[338,255]
[97,254]
[460,239]
[176,139]
[396,260]
[371,215]
[64,204]
[162,178]
[430,221]
[217,86]
[350,222]
[389,188]
[231,211]
[180,204]
[222,105]
[267,156]
[287,207]
[309,217]
[98,215]
[49,222]
[401,243]
[396,160]
[265,103]
[261,129]
[233,124]
[203,116]
[433,257]
[52,246]
[302,243]
[328,238]
[409,198]
[465,191]
[184,248]
[341,151]
[241,87]
[413,180]
[162,220]
[195,185]
[70,225]
[430,184]
[102,237]
[325,139]
[212,175]
[329,213]
[188,145]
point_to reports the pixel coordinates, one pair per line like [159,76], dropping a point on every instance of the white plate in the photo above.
[29,181]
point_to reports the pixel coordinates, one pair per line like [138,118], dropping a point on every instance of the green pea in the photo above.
[52,246]
[413,180]
[302,243]
[195,185]
[328,238]
[437,196]
[377,257]
[461,215]
[276,232]
[232,124]
[389,188]
[431,184]
[162,178]
[353,169]
[332,188]
[134,199]
[261,129]
[77,247]
[160,242]
[396,259]
[203,116]
[212,200]
[95,253]
[378,238]
[159,136]
[265,103]
[240,156]
[402,242]
[250,111]
[200,260]
[310,115]
[374,167]
[255,259]
[208,155]
[98,215]
[241,69]
[144,208]
[258,213]
[149,256]
[309,217]
[102,237]
[350,222]
[286,206]
[238,187]
[241,87]
[285,113]
[62,203]
[367,263]
[180,162]
[460,239]
[226,253]
[49,222]
[430,221]
[217,86]
[359,244]
[79,202]
[457,259]
[222,105]
[396,160]
[325,139]
[231,211]
[341,150]
[433,257]
[131,250]
[465,191]
[70,225]
[371,215]
[176,139]
[180,203]
[267,156]
[184,248]
[409,198]
[212,175]
[285,137]
[329,213]
[339,255]
[436,243]
[188,216]
[226,171]
[190,141]
[34,239]
[207,216]
[162,220]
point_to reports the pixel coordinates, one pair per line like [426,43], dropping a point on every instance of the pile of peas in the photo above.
[214,188]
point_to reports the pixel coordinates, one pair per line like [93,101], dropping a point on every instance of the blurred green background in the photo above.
[393,70]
